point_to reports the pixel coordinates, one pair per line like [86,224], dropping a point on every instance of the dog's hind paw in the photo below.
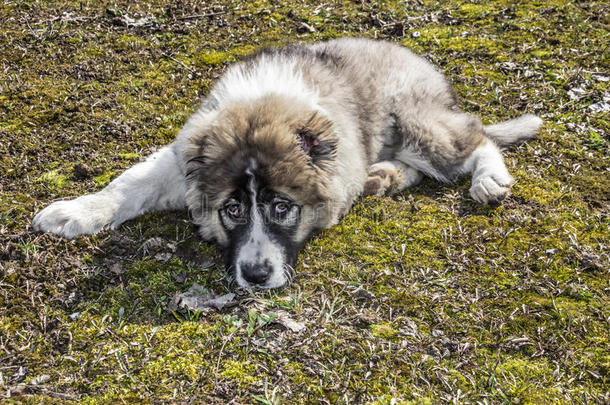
[379,183]
[490,190]
[390,176]
[85,215]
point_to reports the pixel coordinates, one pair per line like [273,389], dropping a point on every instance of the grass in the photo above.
[425,297]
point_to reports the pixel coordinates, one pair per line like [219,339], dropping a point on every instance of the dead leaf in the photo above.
[163,257]
[600,107]
[41,379]
[21,373]
[576,93]
[198,298]
[116,268]
[284,319]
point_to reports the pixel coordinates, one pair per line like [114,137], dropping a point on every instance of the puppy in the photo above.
[288,139]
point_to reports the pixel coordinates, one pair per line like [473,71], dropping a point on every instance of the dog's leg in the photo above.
[155,184]
[389,177]
[490,179]
[444,143]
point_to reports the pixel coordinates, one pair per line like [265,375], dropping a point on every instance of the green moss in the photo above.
[540,191]
[129,42]
[541,53]
[240,372]
[596,141]
[129,156]
[389,400]
[384,331]
[453,40]
[104,178]
[474,10]
[180,365]
[213,58]
[520,380]
[54,179]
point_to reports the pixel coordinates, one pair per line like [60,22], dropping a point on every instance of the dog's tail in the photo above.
[514,131]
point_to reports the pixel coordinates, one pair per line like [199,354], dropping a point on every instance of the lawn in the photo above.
[424,297]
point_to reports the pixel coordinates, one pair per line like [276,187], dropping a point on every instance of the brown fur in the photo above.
[264,132]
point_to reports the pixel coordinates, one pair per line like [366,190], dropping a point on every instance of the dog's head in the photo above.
[259,183]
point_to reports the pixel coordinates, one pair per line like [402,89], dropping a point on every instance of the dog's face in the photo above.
[261,225]
[258,179]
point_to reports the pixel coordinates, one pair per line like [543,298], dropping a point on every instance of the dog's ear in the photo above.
[317,139]
[195,165]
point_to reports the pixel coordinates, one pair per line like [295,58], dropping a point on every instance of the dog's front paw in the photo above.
[490,189]
[85,215]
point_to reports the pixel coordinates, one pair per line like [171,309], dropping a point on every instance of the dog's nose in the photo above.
[256,273]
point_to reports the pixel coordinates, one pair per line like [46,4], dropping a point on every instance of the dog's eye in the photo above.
[233,210]
[280,208]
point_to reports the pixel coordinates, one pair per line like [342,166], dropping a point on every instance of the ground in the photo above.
[421,298]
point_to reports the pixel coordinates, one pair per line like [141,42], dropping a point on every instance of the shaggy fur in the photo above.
[286,141]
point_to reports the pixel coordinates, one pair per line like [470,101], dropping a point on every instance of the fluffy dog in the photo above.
[285,142]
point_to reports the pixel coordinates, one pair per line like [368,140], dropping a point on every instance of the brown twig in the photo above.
[222,348]
[179,62]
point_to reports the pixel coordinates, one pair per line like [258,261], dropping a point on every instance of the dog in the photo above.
[287,140]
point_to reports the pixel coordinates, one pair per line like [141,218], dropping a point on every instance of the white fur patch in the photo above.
[515,130]
[269,76]
[490,179]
